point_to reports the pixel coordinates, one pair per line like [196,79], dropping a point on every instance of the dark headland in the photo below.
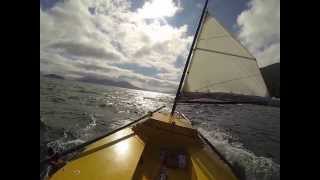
[108,82]
[54,76]
[271,75]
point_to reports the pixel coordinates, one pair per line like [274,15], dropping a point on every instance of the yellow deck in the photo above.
[134,153]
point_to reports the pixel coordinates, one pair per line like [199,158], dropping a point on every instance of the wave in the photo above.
[250,166]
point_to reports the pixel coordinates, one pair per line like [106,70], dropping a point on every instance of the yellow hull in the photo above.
[157,147]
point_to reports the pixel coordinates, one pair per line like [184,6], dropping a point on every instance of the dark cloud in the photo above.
[84,50]
[94,68]
[147,71]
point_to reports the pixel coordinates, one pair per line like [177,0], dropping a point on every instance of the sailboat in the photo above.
[165,145]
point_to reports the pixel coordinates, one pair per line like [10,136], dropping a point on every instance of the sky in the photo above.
[143,42]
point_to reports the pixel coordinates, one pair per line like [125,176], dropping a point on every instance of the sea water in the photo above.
[73,112]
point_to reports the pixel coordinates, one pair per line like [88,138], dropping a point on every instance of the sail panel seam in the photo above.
[228,54]
[214,37]
[226,81]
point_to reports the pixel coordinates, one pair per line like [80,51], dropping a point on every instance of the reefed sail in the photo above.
[221,65]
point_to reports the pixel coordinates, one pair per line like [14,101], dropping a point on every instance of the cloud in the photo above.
[110,39]
[158,9]
[78,69]
[260,30]
[85,50]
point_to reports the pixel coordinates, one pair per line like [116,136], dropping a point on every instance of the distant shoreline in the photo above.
[101,84]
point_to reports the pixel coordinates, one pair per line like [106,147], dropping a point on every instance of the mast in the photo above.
[189,57]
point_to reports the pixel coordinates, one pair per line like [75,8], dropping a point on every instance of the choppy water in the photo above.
[73,112]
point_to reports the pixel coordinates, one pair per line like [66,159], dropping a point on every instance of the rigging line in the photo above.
[226,81]
[228,54]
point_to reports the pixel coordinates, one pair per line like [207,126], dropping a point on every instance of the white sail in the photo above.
[220,64]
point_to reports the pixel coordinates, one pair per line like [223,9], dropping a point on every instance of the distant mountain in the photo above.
[271,75]
[108,82]
[53,76]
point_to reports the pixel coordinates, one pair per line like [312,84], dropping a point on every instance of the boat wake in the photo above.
[247,164]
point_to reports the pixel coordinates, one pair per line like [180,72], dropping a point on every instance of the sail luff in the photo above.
[192,50]
[189,57]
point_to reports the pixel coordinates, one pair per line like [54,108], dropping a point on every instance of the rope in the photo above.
[45,161]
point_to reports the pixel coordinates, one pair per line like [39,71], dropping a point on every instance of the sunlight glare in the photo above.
[158,9]
[122,147]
